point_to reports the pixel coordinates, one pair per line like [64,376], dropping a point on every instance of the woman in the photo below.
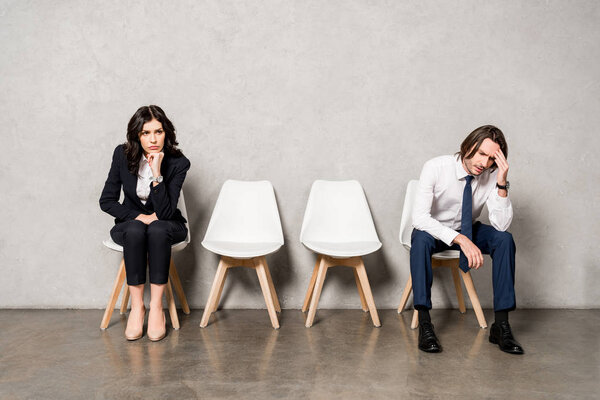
[150,169]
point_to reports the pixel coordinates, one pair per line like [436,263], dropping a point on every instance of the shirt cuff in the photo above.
[503,202]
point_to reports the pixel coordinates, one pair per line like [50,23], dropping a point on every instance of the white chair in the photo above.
[173,278]
[448,258]
[338,227]
[243,229]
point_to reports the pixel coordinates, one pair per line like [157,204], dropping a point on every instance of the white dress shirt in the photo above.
[438,204]
[143,183]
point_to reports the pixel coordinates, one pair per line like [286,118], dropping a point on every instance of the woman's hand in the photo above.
[147,219]
[155,160]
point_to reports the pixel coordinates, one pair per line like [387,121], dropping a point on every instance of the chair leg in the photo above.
[263,261]
[114,294]
[210,304]
[311,285]
[218,300]
[405,294]
[174,278]
[364,281]
[125,300]
[474,298]
[171,305]
[458,288]
[316,292]
[415,320]
[264,285]
[363,302]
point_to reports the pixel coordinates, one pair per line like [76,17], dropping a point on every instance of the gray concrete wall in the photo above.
[293,91]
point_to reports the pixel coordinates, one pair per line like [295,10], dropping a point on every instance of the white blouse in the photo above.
[143,183]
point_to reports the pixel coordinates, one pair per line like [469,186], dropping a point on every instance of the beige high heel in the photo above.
[138,332]
[155,336]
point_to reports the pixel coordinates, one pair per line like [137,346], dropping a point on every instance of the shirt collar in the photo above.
[143,160]
[460,171]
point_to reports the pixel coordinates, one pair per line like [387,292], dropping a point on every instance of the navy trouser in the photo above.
[148,245]
[499,245]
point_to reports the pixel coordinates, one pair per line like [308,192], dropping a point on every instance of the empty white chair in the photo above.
[173,278]
[448,258]
[338,227]
[243,229]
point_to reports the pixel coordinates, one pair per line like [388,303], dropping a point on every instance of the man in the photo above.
[452,192]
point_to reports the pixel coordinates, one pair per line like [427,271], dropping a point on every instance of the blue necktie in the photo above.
[466,220]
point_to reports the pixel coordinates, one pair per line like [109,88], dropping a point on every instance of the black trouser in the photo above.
[148,245]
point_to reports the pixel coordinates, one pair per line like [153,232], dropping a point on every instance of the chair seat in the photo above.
[446,255]
[113,246]
[343,249]
[442,255]
[241,250]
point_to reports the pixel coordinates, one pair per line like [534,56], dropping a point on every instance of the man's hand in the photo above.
[147,219]
[471,251]
[155,160]
[502,167]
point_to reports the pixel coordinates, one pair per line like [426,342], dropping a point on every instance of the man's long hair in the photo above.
[471,144]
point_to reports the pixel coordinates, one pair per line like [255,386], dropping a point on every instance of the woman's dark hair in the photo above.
[471,144]
[133,147]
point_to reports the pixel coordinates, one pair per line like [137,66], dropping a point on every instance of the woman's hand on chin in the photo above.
[147,219]
[155,160]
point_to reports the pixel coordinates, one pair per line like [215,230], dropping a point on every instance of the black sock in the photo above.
[501,316]
[423,314]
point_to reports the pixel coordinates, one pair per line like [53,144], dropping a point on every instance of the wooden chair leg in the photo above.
[263,261]
[125,300]
[415,320]
[171,305]
[364,281]
[316,292]
[218,300]
[405,294]
[114,294]
[363,303]
[474,298]
[264,285]
[458,288]
[174,278]
[311,285]
[210,304]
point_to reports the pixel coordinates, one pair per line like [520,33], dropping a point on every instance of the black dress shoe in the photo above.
[501,335]
[428,342]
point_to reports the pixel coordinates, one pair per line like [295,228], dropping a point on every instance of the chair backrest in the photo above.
[246,212]
[337,211]
[181,206]
[406,226]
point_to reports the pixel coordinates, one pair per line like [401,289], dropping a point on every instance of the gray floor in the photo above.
[62,354]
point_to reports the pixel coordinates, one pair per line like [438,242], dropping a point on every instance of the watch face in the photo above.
[160,179]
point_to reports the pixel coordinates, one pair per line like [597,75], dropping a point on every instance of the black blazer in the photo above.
[163,197]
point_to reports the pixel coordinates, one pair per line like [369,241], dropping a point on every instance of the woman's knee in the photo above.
[134,230]
[159,230]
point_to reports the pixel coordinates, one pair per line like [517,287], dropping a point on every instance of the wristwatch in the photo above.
[505,187]
[158,179]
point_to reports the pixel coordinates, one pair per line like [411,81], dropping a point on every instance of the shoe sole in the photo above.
[156,339]
[431,351]
[493,340]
